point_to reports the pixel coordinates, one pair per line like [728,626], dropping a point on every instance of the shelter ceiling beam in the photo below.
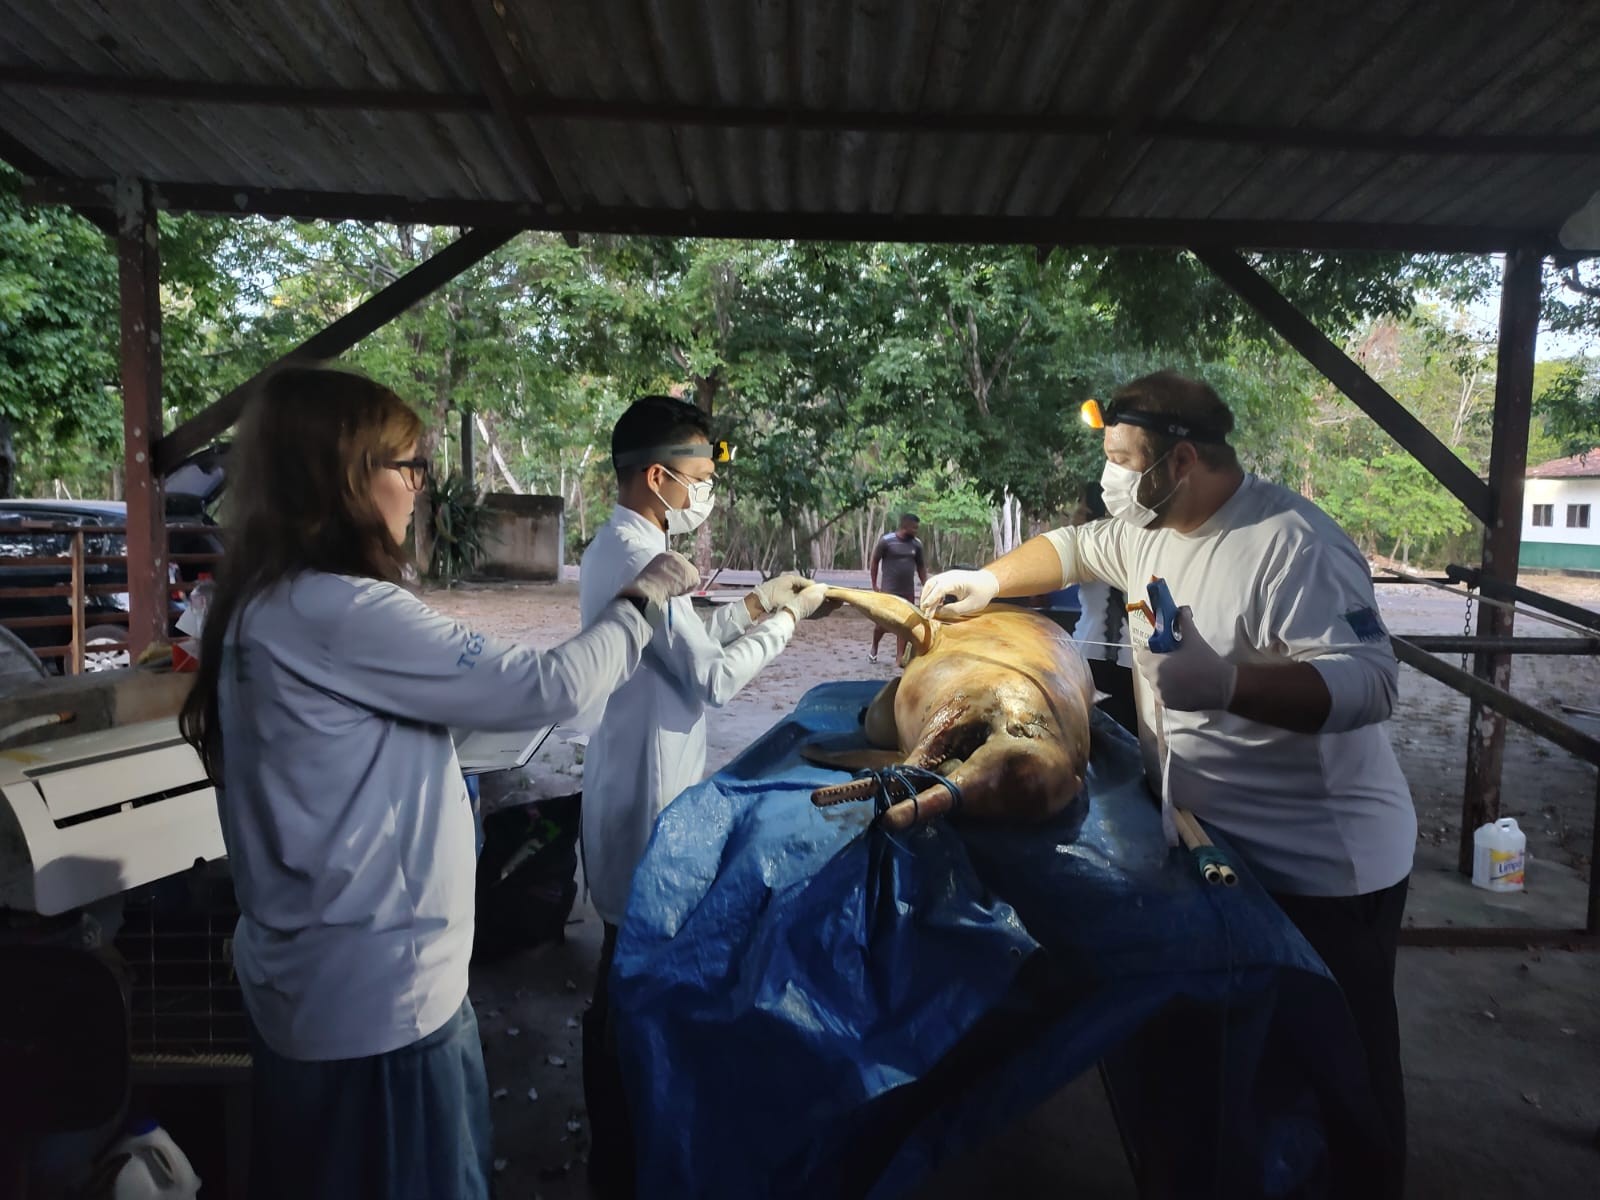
[715,116]
[465,22]
[1502,535]
[22,158]
[248,95]
[866,227]
[1347,375]
[375,311]
[29,163]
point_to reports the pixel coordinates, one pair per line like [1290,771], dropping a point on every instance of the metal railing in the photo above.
[1418,651]
[77,590]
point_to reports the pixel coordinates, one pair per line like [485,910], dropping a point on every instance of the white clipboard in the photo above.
[481,752]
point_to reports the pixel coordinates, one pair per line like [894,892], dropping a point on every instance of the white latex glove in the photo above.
[664,576]
[805,602]
[772,594]
[959,593]
[1191,678]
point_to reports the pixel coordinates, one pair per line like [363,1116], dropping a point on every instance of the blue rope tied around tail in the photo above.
[903,782]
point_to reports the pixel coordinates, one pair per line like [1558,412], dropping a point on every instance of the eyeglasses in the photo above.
[414,471]
[688,481]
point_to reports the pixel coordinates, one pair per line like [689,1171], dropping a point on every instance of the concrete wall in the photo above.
[1559,546]
[523,538]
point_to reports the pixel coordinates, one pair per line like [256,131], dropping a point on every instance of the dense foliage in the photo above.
[856,380]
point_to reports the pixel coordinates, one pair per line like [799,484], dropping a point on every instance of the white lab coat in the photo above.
[650,742]
[343,809]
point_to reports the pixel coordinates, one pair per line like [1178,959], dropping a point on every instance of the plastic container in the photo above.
[155,1169]
[193,618]
[1499,856]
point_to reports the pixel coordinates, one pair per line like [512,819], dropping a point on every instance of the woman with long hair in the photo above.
[322,710]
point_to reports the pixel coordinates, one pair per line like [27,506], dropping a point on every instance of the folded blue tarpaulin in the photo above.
[807,1007]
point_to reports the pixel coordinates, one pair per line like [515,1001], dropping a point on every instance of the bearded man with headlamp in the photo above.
[1268,719]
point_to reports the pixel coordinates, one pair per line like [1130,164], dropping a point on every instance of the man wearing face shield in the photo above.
[650,742]
[1267,720]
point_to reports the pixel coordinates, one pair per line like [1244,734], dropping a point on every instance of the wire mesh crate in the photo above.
[177,942]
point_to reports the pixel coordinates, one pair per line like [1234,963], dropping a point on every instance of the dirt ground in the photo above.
[1502,1047]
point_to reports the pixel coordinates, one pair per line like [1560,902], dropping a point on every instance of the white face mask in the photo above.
[694,514]
[1119,488]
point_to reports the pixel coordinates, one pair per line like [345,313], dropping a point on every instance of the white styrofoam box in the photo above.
[90,816]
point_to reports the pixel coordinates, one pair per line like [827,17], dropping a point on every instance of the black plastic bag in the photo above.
[527,876]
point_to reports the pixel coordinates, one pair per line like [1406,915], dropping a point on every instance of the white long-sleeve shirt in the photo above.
[344,812]
[1271,579]
[650,743]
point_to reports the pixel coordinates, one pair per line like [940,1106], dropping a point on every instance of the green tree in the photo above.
[855,379]
[1568,408]
[1390,504]
[60,403]
[59,416]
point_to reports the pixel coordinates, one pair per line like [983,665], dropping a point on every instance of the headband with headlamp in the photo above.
[1092,415]
[647,456]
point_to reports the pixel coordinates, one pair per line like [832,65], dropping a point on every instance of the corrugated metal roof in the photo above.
[697,114]
[1579,466]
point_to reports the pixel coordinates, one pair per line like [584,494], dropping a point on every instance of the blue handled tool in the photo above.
[1163,617]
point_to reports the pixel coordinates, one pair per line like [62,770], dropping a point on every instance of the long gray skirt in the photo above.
[412,1124]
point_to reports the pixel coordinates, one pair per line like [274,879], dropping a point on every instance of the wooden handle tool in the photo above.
[1214,866]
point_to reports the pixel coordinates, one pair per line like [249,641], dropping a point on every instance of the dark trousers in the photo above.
[1356,937]
[1117,683]
[412,1124]
[611,1163]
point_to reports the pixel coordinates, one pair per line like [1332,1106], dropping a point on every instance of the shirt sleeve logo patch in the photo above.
[1365,625]
[469,655]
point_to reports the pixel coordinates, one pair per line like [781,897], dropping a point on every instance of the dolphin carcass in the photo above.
[998,703]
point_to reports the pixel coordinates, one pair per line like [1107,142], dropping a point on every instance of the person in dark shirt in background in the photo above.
[1102,629]
[899,560]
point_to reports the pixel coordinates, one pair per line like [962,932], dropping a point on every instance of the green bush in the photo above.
[459,521]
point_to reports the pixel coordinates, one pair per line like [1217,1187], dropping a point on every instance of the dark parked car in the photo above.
[192,490]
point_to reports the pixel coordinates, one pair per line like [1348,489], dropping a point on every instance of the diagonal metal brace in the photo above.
[377,310]
[1348,376]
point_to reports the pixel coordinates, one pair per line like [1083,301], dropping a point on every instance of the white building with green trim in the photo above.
[1561,515]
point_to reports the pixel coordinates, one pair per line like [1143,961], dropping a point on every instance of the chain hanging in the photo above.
[1466,628]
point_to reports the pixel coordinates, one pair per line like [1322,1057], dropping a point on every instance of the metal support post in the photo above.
[139,288]
[1592,920]
[1502,535]
[79,601]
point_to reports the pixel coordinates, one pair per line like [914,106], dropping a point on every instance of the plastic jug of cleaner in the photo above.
[149,1166]
[1499,856]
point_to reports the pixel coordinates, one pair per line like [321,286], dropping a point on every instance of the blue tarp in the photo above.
[810,1008]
